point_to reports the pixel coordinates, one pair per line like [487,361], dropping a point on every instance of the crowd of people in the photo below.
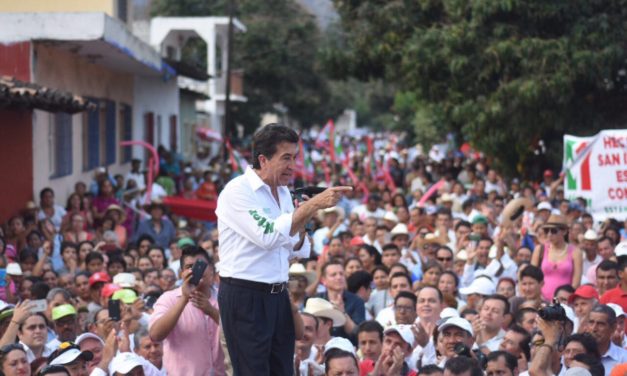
[431,265]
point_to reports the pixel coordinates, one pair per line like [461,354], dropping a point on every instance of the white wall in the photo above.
[161,98]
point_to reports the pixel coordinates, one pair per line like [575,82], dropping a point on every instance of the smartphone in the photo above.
[39,305]
[3,277]
[198,269]
[114,310]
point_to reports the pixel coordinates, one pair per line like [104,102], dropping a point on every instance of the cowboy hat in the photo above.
[335,209]
[297,269]
[515,209]
[556,220]
[323,308]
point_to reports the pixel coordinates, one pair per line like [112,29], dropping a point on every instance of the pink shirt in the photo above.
[193,346]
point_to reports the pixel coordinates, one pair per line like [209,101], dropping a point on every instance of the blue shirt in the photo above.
[162,238]
[356,310]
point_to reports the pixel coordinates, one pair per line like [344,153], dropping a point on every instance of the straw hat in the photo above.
[297,269]
[556,220]
[515,209]
[335,209]
[323,308]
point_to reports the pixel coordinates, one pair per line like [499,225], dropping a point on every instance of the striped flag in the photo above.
[238,163]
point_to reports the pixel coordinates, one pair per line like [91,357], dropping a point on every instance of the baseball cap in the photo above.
[13,268]
[458,322]
[357,241]
[88,335]
[620,249]
[109,289]
[125,280]
[63,310]
[449,312]
[185,241]
[618,310]
[585,291]
[544,206]
[124,362]
[548,173]
[125,295]
[99,277]
[340,343]
[404,331]
[481,286]
[69,352]
[577,371]
[479,219]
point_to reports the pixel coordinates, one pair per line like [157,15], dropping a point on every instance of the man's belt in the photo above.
[271,288]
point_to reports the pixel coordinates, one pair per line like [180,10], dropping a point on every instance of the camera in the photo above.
[554,312]
[462,350]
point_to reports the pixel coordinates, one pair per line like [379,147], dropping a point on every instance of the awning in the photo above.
[20,95]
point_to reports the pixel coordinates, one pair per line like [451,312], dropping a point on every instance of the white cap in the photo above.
[570,313]
[88,335]
[481,286]
[340,343]
[124,362]
[125,280]
[577,371]
[390,216]
[619,250]
[449,312]
[618,310]
[458,322]
[544,206]
[399,229]
[590,234]
[13,268]
[404,331]
[71,355]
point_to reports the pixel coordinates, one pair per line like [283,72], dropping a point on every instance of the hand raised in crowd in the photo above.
[186,287]
[47,247]
[22,311]
[124,342]
[551,330]
[109,350]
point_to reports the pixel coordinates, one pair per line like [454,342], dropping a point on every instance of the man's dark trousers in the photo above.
[259,330]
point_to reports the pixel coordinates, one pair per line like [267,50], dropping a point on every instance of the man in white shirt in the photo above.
[332,219]
[259,232]
[489,323]
[370,208]
[136,175]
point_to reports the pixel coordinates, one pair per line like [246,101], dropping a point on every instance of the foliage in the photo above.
[502,73]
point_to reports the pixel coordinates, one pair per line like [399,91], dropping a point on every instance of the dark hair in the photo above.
[382,268]
[117,258]
[524,344]
[81,273]
[587,341]
[323,271]
[607,265]
[44,191]
[501,298]
[604,238]
[50,369]
[400,265]
[595,367]
[460,364]
[335,353]
[510,360]
[520,314]
[310,315]
[65,245]
[406,295]
[267,138]
[462,224]
[40,314]
[399,274]
[39,290]
[193,251]
[430,369]
[371,326]
[567,288]
[532,272]
[28,253]
[160,249]
[93,255]
[389,246]
[372,251]
[607,311]
[360,278]
[452,274]
[430,265]
[486,239]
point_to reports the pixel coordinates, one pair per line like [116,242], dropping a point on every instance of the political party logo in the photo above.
[578,175]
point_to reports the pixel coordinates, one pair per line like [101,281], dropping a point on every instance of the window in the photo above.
[123,10]
[100,135]
[149,132]
[173,133]
[126,131]
[60,144]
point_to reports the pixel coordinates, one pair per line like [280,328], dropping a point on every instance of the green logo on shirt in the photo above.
[262,222]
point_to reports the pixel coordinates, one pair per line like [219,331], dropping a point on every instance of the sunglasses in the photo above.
[444,259]
[552,230]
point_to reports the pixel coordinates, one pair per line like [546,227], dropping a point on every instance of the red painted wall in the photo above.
[16,161]
[15,60]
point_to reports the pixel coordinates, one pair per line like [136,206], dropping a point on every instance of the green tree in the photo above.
[502,73]
[278,54]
